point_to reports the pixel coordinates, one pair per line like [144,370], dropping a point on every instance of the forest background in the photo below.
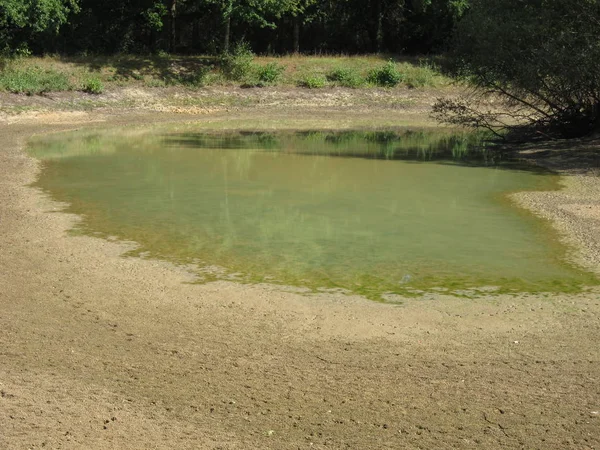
[209,26]
[540,57]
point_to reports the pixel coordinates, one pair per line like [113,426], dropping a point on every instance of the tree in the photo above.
[252,12]
[141,26]
[21,20]
[298,10]
[108,26]
[541,56]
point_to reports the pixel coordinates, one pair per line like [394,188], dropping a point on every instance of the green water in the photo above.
[370,213]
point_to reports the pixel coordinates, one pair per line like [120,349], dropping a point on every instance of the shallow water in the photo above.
[370,213]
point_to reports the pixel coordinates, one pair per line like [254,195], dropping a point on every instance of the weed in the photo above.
[93,86]
[312,81]
[387,75]
[33,80]
[270,73]
[346,77]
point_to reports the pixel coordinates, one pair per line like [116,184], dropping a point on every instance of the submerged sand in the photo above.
[100,351]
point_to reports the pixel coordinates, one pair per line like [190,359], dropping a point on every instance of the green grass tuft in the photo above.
[33,80]
[346,77]
[387,75]
[270,73]
[93,86]
[312,81]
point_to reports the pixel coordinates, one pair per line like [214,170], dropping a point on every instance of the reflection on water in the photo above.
[368,212]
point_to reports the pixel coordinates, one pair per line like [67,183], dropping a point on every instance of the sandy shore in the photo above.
[99,351]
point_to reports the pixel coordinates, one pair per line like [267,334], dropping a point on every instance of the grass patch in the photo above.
[346,77]
[33,80]
[312,81]
[422,75]
[56,73]
[195,79]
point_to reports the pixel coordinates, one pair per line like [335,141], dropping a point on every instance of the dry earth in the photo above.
[99,351]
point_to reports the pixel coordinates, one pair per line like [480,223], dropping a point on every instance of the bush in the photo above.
[269,73]
[345,77]
[33,80]
[541,58]
[238,64]
[93,86]
[387,75]
[312,81]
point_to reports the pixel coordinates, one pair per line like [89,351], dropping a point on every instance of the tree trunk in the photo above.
[227,35]
[296,35]
[596,116]
[195,35]
[379,27]
[173,33]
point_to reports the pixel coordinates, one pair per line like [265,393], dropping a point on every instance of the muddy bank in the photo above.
[101,351]
[574,210]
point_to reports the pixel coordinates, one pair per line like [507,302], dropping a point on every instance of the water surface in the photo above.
[370,213]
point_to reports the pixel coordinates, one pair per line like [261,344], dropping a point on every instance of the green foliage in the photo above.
[312,81]
[33,80]
[154,16]
[147,26]
[270,73]
[386,76]
[20,51]
[251,12]
[346,77]
[542,57]
[23,19]
[38,15]
[238,64]
[93,86]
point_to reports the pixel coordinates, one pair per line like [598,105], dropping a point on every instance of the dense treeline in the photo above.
[210,26]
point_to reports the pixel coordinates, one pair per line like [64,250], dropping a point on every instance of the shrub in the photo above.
[269,73]
[93,86]
[312,81]
[33,80]
[346,77]
[238,64]
[541,58]
[387,75]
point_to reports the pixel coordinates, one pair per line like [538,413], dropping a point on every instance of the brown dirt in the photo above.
[100,351]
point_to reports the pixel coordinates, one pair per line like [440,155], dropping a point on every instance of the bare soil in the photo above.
[100,351]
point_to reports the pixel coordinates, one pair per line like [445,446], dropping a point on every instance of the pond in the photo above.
[373,213]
